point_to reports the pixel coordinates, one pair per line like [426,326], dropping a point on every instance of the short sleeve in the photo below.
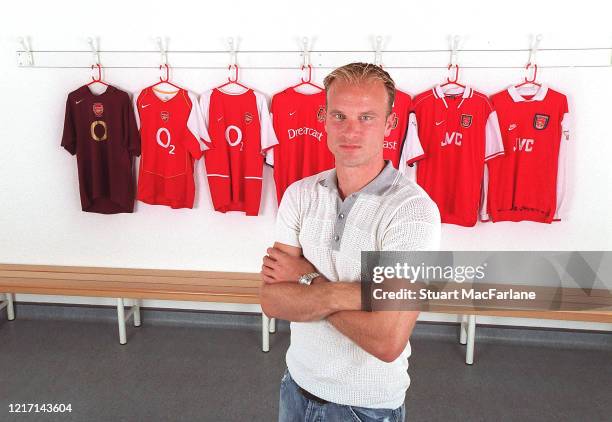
[415,226]
[69,135]
[412,150]
[195,123]
[494,145]
[288,222]
[131,133]
[267,135]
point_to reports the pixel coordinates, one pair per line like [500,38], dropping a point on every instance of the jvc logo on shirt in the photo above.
[523,144]
[452,138]
[292,133]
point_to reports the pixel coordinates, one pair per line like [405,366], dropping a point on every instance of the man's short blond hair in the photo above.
[355,73]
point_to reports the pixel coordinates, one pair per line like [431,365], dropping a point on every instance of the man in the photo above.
[344,363]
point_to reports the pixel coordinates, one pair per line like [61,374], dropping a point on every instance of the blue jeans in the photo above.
[294,407]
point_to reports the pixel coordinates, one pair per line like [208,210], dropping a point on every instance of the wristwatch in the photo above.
[306,279]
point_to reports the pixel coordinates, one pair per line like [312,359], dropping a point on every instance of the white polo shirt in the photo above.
[391,213]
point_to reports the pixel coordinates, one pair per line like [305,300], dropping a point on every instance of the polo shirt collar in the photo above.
[378,185]
[517,97]
[439,92]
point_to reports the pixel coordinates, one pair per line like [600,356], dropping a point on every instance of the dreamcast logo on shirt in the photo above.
[321,114]
[98,109]
[165,115]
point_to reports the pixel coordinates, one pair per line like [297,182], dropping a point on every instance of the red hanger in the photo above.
[530,81]
[233,81]
[307,81]
[454,81]
[167,80]
[99,80]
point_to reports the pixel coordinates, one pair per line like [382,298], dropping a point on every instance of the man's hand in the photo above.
[281,267]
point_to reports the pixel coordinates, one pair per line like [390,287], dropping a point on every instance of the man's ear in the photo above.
[389,123]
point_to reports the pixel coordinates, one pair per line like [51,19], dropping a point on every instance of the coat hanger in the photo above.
[99,79]
[233,81]
[308,81]
[165,81]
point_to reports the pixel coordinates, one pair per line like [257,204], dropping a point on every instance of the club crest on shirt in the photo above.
[466,120]
[540,121]
[98,109]
[321,114]
[395,120]
[165,115]
[248,117]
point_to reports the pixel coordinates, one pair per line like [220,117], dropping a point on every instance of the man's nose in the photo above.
[351,129]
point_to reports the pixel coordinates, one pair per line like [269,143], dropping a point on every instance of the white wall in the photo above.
[40,217]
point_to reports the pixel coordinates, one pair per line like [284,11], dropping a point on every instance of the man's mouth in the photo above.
[350,146]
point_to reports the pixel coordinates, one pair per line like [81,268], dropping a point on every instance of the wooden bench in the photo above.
[137,284]
[226,287]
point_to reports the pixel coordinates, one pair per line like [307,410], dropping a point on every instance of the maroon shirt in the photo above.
[101,130]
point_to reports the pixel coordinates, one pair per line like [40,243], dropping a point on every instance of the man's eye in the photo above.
[338,116]
[366,117]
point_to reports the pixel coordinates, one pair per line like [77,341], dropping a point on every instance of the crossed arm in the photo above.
[382,334]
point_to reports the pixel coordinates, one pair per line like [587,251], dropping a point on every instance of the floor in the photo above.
[198,366]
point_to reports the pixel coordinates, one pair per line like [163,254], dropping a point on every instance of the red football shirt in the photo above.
[241,131]
[299,124]
[402,146]
[527,183]
[101,131]
[459,133]
[172,134]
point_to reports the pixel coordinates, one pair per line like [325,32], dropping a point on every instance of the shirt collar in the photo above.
[378,185]
[439,92]
[517,97]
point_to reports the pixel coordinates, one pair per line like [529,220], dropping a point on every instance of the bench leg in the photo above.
[136,310]
[272,325]
[8,303]
[471,334]
[265,333]
[10,309]
[463,330]
[121,321]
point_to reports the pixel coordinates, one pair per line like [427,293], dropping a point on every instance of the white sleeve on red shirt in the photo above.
[494,145]
[195,123]
[561,171]
[412,150]
[484,212]
[267,135]
[270,151]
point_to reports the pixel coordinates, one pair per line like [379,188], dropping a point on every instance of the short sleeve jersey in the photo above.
[528,182]
[241,131]
[101,131]
[173,137]
[299,125]
[459,133]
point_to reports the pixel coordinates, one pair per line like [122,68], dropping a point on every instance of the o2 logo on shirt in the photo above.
[92,130]
[167,145]
[234,132]
[523,144]
[452,138]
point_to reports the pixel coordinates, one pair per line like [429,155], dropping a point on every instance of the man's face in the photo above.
[357,122]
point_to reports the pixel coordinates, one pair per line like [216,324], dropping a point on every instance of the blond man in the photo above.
[344,363]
